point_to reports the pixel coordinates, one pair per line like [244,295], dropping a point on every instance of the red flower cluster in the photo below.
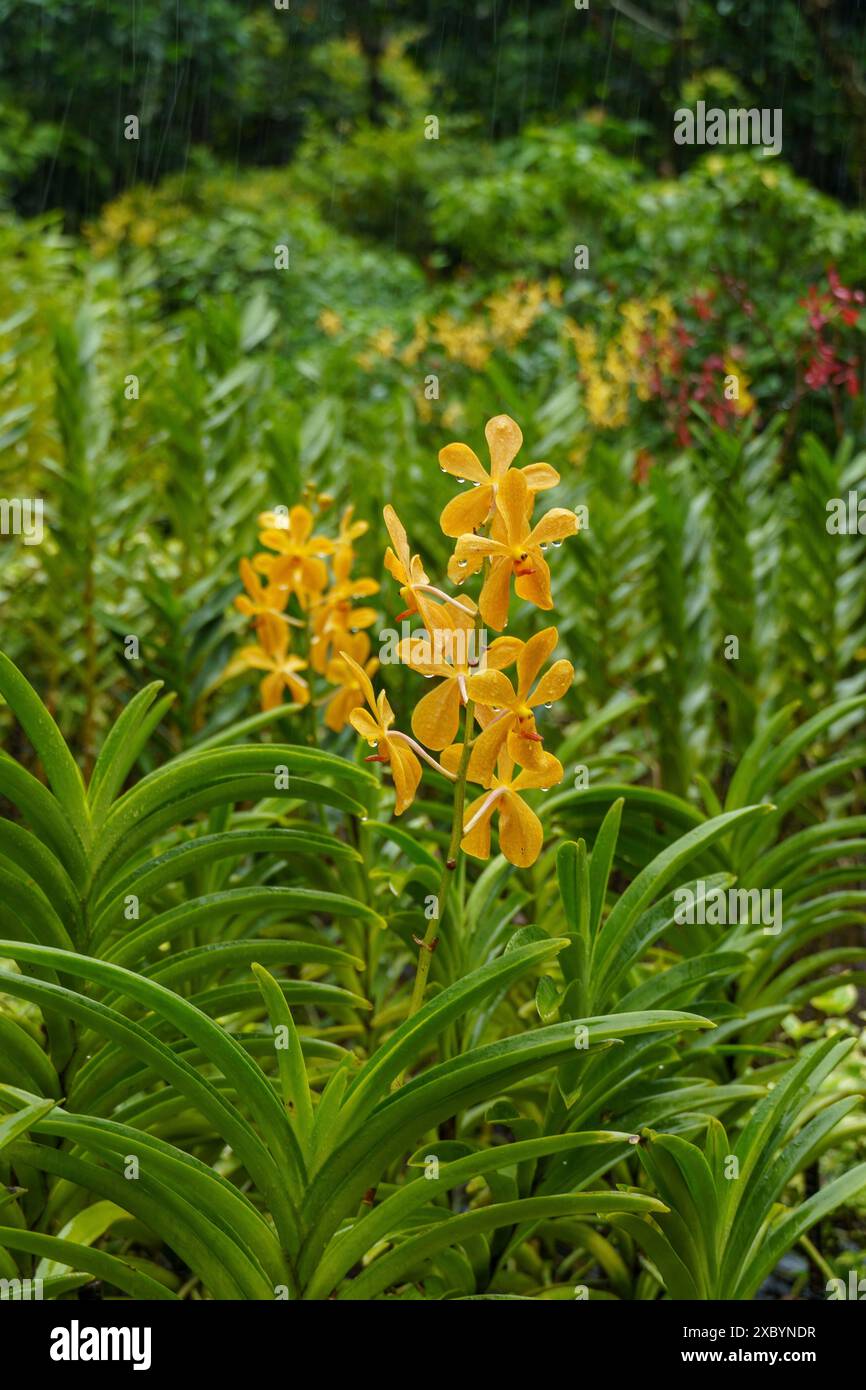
[829,312]
[678,377]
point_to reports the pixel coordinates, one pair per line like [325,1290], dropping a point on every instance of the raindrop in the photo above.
[543,547]
[354,630]
[463,563]
[442,469]
[476,484]
[545,789]
[557,544]
[461,480]
[548,704]
[373,743]
[429,675]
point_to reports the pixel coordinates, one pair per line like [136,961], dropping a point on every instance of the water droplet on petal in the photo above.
[557,544]
[543,547]
[548,704]
[461,480]
[476,484]
[463,563]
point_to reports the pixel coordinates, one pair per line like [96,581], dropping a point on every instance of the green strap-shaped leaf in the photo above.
[46,816]
[741,788]
[678,1280]
[11,1126]
[391,1268]
[603,852]
[251,1087]
[220,1199]
[359,1160]
[682,1178]
[123,745]
[223,955]
[184,1228]
[24,853]
[290,1059]
[408,1041]
[276,903]
[200,854]
[788,1231]
[652,924]
[757,1202]
[22,1054]
[771,768]
[651,880]
[127,835]
[85,1227]
[113,1270]
[349,1247]
[60,767]
[183,775]
[22,897]
[772,1117]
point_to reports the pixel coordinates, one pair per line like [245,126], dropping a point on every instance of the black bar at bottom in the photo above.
[86,1339]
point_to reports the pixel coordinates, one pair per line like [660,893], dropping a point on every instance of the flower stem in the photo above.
[428,945]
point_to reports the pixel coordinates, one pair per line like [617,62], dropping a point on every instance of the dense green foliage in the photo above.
[247,81]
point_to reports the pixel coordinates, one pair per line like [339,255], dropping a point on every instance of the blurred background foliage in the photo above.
[247,80]
[162,381]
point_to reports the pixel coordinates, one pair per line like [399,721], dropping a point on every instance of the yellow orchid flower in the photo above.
[472,509]
[512,722]
[335,616]
[402,565]
[514,549]
[393,747]
[273,657]
[520,831]
[449,654]
[330,323]
[350,695]
[416,591]
[264,603]
[350,530]
[298,567]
